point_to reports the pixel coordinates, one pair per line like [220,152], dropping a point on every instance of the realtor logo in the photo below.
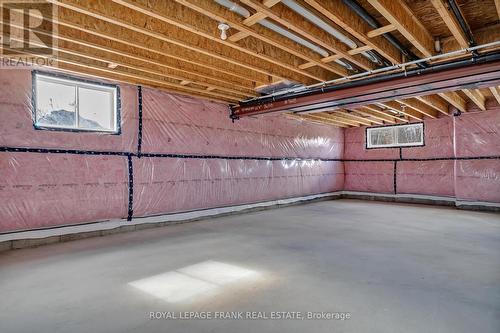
[27,27]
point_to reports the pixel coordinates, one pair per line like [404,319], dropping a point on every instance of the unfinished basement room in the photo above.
[232,166]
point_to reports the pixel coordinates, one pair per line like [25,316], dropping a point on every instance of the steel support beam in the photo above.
[484,72]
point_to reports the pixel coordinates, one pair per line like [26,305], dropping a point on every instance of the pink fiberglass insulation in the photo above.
[364,176]
[426,177]
[478,180]
[173,185]
[471,135]
[438,140]
[369,177]
[355,147]
[179,124]
[41,190]
[478,133]
[16,124]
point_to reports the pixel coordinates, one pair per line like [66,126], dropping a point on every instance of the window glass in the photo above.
[94,109]
[72,104]
[409,134]
[56,104]
[395,136]
[382,136]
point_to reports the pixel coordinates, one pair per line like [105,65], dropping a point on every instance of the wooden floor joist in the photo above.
[419,106]
[176,45]
[360,119]
[316,120]
[219,13]
[91,27]
[436,102]
[403,109]
[334,118]
[101,71]
[495,91]
[194,35]
[303,27]
[374,115]
[348,20]
[406,23]
[476,97]
[382,112]
[454,99]
[107,54]
[451,22]
[198,26]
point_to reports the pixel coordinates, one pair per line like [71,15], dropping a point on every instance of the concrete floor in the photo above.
[393,267]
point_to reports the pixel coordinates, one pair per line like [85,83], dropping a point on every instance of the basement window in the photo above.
[409,135]
[69,104]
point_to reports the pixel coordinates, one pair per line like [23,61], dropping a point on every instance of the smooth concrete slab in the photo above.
[391,267]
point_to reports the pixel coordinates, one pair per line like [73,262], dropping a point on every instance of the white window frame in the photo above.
[77,83]
[396,144]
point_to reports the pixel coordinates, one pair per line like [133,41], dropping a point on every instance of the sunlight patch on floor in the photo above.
[199,280]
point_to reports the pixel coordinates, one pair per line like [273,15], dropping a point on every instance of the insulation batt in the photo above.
[44,190]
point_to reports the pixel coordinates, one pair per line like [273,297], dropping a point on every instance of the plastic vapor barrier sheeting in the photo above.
[174,154]
[459,159]
[175,185]
[218,162]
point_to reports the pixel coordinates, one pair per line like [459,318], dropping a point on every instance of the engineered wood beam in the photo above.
[451,22]
[298,24]
[345,18]
[454,99]
[476,96]
[407,24]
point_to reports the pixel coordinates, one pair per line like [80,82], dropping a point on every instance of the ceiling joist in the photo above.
[407,24]
[451,22]
[476,97]
[221,14]
[344,17]
[192,31]
[296,23]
